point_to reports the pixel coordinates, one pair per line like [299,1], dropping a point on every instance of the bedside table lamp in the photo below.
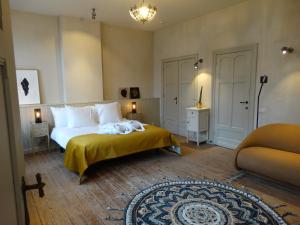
[37,115]
[133,107]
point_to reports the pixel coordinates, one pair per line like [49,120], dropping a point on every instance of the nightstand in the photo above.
[39,130]
[198,123]
[134,116]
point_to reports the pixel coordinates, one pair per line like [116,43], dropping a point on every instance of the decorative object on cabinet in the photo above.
[37,115]
[198,123]
[28,87]
[123,93]
[134,93]
[93,14]
[135,116]
[39,130]
[199,103]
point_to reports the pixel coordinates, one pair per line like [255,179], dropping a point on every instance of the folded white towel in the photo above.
[124,127]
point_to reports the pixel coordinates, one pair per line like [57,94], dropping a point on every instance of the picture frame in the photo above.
[134,93]
[28,87]
[123,93]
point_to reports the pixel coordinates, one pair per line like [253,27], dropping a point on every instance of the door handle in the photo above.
[245,102]
[39,185]
[176,99]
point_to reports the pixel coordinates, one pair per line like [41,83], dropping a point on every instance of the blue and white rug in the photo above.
[198,203]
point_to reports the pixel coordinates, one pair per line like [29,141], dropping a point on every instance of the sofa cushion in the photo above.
[280,165]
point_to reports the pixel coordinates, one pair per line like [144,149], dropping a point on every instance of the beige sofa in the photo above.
[272,151]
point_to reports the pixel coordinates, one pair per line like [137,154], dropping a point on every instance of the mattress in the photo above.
[63,135]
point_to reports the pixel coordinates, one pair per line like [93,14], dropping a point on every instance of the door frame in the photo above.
[12,144]
[162,96]
[254,49]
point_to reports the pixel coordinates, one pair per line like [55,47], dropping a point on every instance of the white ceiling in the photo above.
[116,11]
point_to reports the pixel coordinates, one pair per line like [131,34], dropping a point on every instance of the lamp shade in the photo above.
[133,107]
[38,115]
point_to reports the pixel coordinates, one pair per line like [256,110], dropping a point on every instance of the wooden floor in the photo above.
[110,183]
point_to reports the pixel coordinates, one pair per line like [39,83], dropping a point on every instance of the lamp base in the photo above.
[38,120]
[200,105]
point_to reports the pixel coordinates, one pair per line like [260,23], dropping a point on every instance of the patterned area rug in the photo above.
[197,203]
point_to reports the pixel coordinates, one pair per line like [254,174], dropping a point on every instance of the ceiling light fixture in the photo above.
[143,12]
[286,50]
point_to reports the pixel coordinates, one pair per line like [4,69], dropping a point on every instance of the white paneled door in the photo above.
[8,210]
[171,96]
[179,78]
[234,96]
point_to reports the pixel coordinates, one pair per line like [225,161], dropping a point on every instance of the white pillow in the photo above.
[80,116]
[110,112]
[59,116]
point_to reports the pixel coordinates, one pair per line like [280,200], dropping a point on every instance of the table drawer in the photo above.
[39,130]
[192,124]
[191,114]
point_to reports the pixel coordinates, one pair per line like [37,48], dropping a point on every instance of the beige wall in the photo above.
[67,53]
[81,60]
[270,23]
[36,46]
[127,60]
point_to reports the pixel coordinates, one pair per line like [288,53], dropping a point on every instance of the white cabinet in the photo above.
[135,116]
[39,130]
[197,124]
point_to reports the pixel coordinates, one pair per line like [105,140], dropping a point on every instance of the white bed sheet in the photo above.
[62,135]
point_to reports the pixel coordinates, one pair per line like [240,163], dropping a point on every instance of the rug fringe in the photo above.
[237,176]
[115,209]
[289,214]
[109,218]
[126,194]
[278,206]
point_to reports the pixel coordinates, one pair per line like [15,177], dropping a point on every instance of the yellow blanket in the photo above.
[85,150]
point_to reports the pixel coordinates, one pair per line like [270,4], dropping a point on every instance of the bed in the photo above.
[84,147]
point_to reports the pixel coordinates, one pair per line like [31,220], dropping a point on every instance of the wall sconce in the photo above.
[197,64]
[286,50]
[37,115]
[133,107]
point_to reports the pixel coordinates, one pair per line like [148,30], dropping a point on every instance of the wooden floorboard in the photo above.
[111,183]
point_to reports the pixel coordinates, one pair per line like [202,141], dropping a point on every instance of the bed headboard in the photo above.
[150,109]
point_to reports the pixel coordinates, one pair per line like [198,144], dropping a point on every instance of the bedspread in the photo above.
[85,150]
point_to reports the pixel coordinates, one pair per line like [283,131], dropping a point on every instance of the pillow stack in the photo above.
[109,113]
[74,117]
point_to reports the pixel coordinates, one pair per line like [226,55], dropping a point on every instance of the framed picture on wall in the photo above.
[28,87]
[123,93]
[134,92]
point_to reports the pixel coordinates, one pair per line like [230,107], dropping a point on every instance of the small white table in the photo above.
[198,122]
[39,130]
